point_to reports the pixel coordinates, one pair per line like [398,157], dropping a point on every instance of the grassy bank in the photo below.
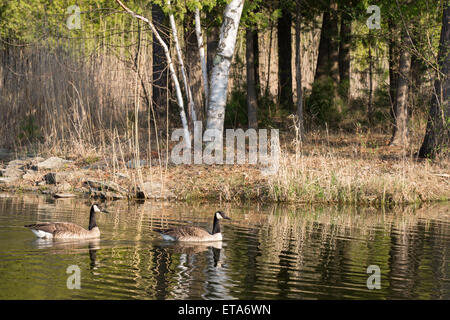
[320,178]
[326,169]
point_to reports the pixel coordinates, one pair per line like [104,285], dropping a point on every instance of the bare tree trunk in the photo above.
[187,136]
[193,64]
[212,42]
[256,64]
[400,134]
[328,57]
[324,47]
[344,50]
[252,103]
[201,51]
[393,66]
[370,104]
[222,63]
[334,43]
[136,66]
[269,57]
[159,65]
[187,87]
[437,135]
[284,59]
[298,71]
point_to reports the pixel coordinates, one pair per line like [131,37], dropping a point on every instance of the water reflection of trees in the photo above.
[325,252]
[271,252]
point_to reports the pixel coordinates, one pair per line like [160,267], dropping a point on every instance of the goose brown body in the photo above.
[63,230]
[190,234]
[67,230]
[195,234]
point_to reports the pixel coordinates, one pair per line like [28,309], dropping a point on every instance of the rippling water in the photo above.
[268,252]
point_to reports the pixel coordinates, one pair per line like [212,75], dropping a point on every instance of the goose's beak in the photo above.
[227,217]
[105,211]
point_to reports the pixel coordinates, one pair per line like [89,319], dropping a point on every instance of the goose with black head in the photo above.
[68,230]
[195,234]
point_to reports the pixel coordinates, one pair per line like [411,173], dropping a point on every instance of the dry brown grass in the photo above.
[314,177]
[335,178]
[62,97]
[339,170]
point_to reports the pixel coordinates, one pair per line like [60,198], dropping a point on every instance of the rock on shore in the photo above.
[63,179]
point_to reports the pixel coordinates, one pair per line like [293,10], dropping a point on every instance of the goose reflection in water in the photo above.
[70,247]
[188,266]
[190,249]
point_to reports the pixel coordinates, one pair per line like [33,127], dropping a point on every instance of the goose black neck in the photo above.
[92,222]
[216,226]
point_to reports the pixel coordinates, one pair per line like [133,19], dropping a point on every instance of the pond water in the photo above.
[268,252]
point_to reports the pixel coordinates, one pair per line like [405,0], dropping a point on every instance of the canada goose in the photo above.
[195,234]
[67,230]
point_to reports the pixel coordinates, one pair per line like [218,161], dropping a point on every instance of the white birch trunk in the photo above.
[201,51]
[187,136]
[187,88]
[221,65]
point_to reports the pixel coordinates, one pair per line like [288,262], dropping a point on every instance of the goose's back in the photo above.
[63,230]
[190,234]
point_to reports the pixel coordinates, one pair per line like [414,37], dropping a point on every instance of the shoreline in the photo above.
[311,179]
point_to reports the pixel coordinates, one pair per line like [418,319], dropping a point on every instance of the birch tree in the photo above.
[221,65]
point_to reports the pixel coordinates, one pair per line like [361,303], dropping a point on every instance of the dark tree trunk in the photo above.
[252,103]
[267,88]
[211,47]
[298,66]
[400,134]
[284,59]
[324,47]
[136,67]
[328,58]
[256,64]
[344,50]
[159,64]
[370,104]
[334,43]
[436,139]
[393,66]
[193,66]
